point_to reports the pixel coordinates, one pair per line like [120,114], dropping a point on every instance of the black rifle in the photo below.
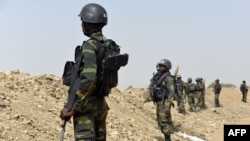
[74,83]
[114,61]
[63,125]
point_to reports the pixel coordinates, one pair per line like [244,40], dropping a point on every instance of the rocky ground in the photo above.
[30,106]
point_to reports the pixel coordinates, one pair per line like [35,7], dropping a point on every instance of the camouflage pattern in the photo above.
[180,96]
[90,118]
[90,122]
[201,94]
[165,119]
[191,97]
[216,100]
[217,89]
[90,60]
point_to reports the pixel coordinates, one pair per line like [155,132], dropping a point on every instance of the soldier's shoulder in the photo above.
[170,78]
[90,44]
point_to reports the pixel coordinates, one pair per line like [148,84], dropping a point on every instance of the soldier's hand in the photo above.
[167,110]
[66,114]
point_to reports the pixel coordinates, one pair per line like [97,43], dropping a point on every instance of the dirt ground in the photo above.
[30,106]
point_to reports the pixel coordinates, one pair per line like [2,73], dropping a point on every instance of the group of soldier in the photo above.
[164,88]
[193,93]
[90,109]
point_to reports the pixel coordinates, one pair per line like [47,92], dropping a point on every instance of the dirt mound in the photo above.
[30,106]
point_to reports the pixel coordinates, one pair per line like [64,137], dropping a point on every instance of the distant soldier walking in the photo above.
[217,89]
[244,90]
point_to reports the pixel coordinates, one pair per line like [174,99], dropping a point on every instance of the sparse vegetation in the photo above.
[227,85]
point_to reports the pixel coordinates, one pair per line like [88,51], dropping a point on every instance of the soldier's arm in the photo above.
[88,74]
[169,84]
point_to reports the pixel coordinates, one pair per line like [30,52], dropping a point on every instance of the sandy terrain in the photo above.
[30,106]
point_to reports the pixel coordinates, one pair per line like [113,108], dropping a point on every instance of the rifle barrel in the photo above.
[63,125]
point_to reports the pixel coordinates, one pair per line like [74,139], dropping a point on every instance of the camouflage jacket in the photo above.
[88,74]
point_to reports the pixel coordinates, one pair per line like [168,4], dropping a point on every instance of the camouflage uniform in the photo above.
[165,119]
[180,95]
[90,118]
[162,90]
[191,94]
[244,90]
[201,93]
[217,89]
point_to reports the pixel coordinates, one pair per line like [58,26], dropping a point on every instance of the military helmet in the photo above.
[157,66]
[178,76]
[189,79]
[244,81]
[217,80]
[197,79]
[94,13]
[166,63]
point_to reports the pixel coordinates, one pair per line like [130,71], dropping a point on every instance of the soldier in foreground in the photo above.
[162,90]
[90,108]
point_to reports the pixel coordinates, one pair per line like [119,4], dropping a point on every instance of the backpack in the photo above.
[109,61]
[157,92]
[191,87]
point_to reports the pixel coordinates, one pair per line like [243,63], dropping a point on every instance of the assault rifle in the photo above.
[71,102]
[71,77]
[152,87]
[178,91]
[63,125]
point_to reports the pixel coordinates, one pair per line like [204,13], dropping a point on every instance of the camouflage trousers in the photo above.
[180,103]
[201,100]
[191,101]
[216,100]
[164,119]
[90,123]
[244,96]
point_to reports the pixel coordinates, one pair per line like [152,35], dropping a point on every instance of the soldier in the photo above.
[162,92]
[90,111]
[200,93]
[217,89]
[190,92]
[244,90]
[180,95]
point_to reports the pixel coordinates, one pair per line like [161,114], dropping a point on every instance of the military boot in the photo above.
[167,137]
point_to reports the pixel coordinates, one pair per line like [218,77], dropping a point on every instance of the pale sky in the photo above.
[206,38]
